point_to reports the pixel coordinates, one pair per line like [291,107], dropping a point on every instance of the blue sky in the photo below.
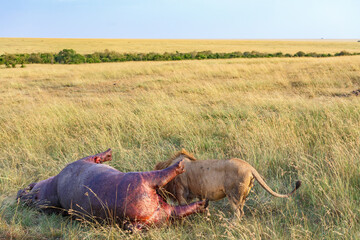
[181,19]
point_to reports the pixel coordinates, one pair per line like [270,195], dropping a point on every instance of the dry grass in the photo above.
[284,116]
[29,45]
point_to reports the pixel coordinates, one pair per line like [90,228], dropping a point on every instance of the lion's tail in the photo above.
[269,190]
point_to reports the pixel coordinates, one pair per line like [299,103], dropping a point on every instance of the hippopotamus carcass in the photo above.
[93,190]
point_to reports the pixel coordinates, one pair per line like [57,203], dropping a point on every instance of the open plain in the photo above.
[291,119]
[83,46]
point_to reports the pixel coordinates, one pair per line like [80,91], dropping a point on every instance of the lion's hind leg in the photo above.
[237,194]
[237,202]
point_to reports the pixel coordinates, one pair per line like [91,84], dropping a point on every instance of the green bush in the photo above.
[69,56]
[35,58]
[343,53]
[47,58]
[299,54]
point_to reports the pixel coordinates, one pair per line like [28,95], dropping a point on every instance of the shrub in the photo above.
[299,54]
[47,58]
[34,58]
[10,60]
[93,58]
[343,53]
[200,56]
[69,56]
[246,54]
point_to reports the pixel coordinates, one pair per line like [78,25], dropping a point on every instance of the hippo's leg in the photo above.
[133,227]
[99,158]
[104,156]
[160,178]
[25,196]
[185,210]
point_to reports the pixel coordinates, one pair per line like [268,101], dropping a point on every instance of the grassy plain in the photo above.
[30,45]
[290,118]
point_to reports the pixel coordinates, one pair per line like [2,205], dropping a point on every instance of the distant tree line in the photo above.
[69,56]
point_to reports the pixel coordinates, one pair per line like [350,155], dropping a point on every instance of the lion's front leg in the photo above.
[181,194]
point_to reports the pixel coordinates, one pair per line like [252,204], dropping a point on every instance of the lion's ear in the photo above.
[183,151]
[187,154]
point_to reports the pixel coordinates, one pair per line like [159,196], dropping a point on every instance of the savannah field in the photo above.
[84,46]
[291,118]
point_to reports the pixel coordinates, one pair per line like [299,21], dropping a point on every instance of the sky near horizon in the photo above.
[181,19]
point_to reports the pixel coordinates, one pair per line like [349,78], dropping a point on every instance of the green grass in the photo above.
[283,116]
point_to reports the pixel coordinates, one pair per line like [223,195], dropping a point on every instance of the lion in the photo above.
[214,180]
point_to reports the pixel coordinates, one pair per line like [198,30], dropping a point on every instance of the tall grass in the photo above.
[287,117]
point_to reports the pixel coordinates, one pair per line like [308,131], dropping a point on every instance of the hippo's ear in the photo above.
[97,160]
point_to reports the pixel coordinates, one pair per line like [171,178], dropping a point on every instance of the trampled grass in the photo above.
[83,46]
[290,118]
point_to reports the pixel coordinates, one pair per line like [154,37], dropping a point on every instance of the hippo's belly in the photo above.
[141,204]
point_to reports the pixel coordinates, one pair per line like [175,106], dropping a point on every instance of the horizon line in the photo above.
[231,39]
